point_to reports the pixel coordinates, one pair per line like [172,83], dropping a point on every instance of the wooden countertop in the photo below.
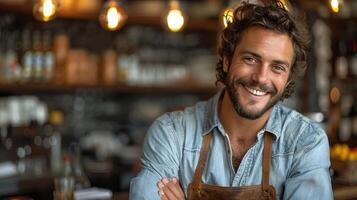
[344,191]
[120,196]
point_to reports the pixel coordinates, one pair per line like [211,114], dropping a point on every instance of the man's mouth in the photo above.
[255,92]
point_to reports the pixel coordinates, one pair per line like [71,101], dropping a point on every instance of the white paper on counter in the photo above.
[7,169]
[93,193]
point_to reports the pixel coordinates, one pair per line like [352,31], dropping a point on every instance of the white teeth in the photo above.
[256,92]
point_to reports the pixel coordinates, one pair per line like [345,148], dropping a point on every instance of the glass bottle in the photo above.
[38,56]
[64,184]
[56,119]
[11,64]
[48,57]
[353,115]
[345,122]
[81,180]
[341,63]
[27,57]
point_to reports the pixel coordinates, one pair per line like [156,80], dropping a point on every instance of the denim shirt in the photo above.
[300,154]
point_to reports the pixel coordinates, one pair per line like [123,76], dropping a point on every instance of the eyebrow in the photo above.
[258,56]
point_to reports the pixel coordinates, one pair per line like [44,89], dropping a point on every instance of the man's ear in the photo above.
[225,64]
[289,84]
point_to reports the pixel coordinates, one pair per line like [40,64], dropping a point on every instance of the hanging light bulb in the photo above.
[175,18]
[112,16]
[227,16]
[335,6]
[286,4]
[45,10]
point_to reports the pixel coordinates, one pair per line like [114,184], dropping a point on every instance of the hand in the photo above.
[170,189]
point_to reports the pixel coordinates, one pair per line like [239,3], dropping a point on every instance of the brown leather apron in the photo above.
[198,190]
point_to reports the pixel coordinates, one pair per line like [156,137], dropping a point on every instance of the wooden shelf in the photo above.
[120,88]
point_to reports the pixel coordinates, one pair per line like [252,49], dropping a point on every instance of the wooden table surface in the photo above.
[120,196]
[344,192]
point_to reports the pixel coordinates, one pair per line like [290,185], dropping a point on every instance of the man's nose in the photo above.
[260,74]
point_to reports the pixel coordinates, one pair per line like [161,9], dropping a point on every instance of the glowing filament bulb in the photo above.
[175,18]
[227,17]
[48,8]
[285,4]
[45,10]
[112,16]
[335,6]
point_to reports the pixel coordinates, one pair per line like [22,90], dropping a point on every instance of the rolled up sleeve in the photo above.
[160,159]
[309,176]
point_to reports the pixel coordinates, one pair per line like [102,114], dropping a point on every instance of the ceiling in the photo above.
[196,9]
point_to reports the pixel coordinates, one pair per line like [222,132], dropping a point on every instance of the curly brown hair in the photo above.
[273,17]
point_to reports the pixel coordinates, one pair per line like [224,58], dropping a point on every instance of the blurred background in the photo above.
[82,80]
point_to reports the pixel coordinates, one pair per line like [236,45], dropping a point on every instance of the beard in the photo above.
[231,87]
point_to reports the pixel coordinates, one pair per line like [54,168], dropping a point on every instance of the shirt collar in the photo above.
[274,124]
[211,117]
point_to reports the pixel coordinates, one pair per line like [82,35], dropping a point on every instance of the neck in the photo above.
[237,126]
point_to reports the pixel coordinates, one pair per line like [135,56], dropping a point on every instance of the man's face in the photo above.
[259,71]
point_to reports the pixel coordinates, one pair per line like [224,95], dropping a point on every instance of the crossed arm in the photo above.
[308,177]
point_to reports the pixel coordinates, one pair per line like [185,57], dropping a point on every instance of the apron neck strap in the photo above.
[266,160]
[202,160]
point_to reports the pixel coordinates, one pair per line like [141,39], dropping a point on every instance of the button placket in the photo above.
[229,150]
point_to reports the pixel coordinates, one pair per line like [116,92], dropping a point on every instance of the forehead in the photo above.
[266,43]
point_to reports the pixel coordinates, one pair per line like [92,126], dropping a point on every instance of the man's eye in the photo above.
[279,68]
[250,60]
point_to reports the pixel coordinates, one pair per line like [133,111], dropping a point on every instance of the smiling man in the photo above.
[242,143]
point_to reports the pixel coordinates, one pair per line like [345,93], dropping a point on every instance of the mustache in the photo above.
[254,84]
